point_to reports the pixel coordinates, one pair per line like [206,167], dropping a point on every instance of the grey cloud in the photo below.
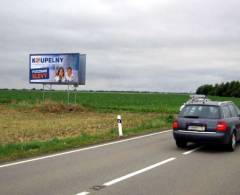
[137,45]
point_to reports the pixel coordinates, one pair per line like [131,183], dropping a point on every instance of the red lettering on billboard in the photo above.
[39,75]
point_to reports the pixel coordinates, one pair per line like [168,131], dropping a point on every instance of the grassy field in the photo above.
[29,127]
[136,102]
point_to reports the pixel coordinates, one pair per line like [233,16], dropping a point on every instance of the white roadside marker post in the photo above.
[119,121]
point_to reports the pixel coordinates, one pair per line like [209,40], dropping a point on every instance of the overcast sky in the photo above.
[153,45]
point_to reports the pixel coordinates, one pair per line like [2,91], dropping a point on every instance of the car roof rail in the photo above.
[225,102]
[198,99]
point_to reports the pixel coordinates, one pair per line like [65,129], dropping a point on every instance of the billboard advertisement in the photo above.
[64,69]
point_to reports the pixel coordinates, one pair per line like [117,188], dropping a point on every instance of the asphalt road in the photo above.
[143,165]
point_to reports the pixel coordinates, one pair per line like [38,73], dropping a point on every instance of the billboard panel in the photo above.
[62,69]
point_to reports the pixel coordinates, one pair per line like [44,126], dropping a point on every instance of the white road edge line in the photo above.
[83,193]
[191,151]
[82,149]
[138,172]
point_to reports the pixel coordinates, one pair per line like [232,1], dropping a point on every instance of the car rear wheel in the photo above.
[233,143]
[181,143]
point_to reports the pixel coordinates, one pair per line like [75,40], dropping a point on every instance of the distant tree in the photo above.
[219,89]
[205,89]
[225,88]
[228,89]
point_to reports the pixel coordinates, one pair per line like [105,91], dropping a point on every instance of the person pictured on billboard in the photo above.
[60,76]
[69,75]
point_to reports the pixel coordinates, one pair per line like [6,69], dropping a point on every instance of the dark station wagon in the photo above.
[205,121]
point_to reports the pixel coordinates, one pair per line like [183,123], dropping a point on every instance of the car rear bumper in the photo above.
[201,137]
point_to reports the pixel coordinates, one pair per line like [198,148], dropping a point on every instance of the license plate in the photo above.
[196,128]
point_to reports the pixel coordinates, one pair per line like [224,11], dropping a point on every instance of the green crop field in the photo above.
[29,126]
[137,102]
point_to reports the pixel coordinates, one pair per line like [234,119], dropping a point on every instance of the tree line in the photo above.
[228,89]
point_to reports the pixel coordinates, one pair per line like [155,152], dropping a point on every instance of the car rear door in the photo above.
[227,115]
[235,118]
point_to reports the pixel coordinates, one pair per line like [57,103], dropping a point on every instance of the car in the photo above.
[208,122]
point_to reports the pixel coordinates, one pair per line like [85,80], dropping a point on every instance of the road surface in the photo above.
[143,165]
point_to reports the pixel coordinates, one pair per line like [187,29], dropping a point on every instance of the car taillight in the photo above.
[222,126]
[175,125]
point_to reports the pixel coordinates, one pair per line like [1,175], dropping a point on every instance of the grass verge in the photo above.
[15,151]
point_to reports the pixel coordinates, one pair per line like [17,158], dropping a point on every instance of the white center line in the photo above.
[83,193]
[138,172]
[191,151]
[82,149]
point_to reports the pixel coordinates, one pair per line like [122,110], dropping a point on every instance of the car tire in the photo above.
[181,144]
[232,143]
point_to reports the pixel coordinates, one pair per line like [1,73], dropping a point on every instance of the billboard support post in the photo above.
[68,94]
[72,90]
[75,94]
[44,90]
[43,94]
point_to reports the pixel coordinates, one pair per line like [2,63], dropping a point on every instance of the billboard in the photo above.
[62,68]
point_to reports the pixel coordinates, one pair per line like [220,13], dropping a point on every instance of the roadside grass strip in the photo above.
[81,149]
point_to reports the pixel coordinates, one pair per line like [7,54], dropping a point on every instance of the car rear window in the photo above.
[200,111]
[226,112]
[233,110]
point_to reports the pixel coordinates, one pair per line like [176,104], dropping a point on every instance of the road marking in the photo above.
[83,193]
[191,151]
[82,149]
[137,172]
